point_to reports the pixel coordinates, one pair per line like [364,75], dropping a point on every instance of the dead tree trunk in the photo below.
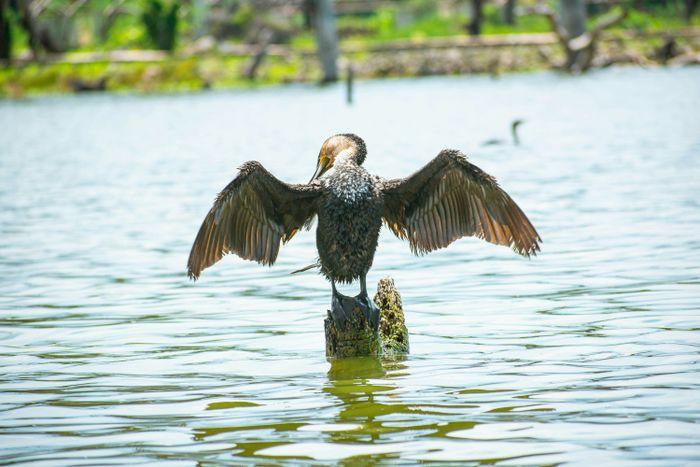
[326,39]
[5,32]
[200,14]
[690,7]
[474,26]
[308,8]
[359,336]
[570,28]
[27,20]
[509,12]
[572,17]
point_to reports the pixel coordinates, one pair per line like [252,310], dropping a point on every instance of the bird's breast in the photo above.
[350,187]
[349,220]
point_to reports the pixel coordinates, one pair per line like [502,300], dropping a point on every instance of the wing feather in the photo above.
[450,198]
[250,217]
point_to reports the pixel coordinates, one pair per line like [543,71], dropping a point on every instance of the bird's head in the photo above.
[514,130]
[340,149]
[516,123]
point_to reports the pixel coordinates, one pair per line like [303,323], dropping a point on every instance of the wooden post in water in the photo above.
[357,337]
[349,84]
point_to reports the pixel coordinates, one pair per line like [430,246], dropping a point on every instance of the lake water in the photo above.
[587,353]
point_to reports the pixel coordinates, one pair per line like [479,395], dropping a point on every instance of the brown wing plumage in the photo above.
[450,198]
[250,217]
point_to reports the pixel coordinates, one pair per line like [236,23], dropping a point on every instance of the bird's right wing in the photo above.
[450,198]
[250,217]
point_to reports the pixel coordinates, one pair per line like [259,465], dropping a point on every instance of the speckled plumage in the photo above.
[349,220]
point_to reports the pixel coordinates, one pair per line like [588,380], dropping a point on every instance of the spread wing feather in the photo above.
[450,198]
[250,217]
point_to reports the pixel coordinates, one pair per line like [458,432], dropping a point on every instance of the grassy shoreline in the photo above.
[455,55]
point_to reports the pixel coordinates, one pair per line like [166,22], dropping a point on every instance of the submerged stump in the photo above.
[358,336]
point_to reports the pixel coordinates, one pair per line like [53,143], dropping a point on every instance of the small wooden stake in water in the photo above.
[349,84]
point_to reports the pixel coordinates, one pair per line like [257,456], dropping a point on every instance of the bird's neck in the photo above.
[514,134]
[346,158]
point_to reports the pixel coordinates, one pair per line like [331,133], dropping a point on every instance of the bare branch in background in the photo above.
[105,19]
[579,45]
[265,38]
[36,7]
[73,8]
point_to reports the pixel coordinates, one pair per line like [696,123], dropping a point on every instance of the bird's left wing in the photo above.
[250,217]
[450,198]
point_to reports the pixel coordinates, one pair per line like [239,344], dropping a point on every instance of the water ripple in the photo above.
[586,354]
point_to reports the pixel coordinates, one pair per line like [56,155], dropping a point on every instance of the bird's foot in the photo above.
[371,310]
[344,309]
[341,309]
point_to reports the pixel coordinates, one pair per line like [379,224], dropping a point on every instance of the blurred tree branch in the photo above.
[579,45]
[104,20]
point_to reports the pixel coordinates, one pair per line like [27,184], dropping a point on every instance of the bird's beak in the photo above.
[324,163]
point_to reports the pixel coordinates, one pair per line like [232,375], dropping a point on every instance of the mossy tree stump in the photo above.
[392,325]
[358,336]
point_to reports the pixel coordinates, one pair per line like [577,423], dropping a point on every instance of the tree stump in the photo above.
[358,336]
[392,325]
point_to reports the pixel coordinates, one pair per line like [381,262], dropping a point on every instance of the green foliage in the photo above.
[494,24]
[304,41]
[281,70]
[383,22]
[661,17]
[422,8]
[170,75]
[230,19]
[161,23]
[127,32]
[379,24]
[389,23]
[242,18]
[160,20]
[386,23]
[12,37]
[436,26]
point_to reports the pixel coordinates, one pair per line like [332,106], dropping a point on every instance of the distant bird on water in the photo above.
[447,199]
[513,134]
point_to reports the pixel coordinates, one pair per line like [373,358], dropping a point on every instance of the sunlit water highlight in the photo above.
[587,353]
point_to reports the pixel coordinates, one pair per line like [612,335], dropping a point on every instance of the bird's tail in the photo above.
[317,264]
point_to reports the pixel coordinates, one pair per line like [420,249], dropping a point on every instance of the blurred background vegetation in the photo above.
[165,45]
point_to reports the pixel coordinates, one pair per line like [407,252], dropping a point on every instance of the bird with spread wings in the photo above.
[449,198]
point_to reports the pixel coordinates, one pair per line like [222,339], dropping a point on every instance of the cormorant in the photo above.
[513,134]
[447,199]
